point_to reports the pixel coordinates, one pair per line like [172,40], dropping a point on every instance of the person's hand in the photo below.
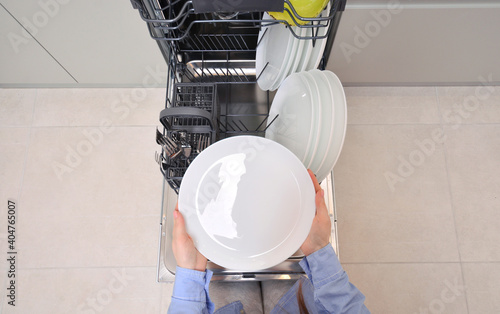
[185,253]
[319,236]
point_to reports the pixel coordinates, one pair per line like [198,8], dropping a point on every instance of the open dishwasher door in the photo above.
[211,67]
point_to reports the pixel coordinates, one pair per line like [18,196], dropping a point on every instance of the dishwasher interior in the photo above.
[212,72]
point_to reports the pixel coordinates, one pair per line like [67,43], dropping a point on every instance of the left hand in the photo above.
[185,253]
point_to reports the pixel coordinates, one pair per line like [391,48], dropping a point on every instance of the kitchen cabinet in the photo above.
[23,60]
[99,43]
[105,43]
[418,43]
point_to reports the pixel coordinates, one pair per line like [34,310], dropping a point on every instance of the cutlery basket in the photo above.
[194,109]
[194,112]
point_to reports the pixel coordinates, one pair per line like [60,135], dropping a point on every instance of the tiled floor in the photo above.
[417,190]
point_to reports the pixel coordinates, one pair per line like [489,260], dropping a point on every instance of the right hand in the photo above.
[319,236]
[185,253]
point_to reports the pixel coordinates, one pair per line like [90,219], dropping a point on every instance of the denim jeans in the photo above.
[256,296]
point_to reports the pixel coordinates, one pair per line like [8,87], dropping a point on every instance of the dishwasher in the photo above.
[212,93]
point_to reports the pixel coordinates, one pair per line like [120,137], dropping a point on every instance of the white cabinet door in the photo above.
[98,42]
[23,60]
[415,44]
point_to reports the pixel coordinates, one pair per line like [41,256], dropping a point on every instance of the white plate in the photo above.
[300,48]
[314,117]
[327,118]
[340,124]
[248,203]
[288,62]
[317,114]
[294,105]
[319,46]
[275,45]
[306,51]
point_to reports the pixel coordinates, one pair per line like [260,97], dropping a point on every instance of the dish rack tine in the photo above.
[263,120]
[272,121]
[236,124]
[243,125]
[263,69]
[243,41]
[221,125]
[314,39]
[262,37]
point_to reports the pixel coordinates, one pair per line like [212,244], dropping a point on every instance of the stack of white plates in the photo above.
[280,53]
[312,118]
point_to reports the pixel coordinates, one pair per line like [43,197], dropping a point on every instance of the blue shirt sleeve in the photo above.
[190,293]
[333,293]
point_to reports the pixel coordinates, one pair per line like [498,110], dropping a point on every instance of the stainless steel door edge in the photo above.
[328,185]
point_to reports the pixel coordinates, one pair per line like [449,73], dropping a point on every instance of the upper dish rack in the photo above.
[176,22]
[207,47]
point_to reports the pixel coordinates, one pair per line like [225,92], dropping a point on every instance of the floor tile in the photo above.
[90,172]
[16,106]
[384,220]
[62,241]
[92,106]
[483,287]
[473,155]
[391,105]
[87,290]
[104,212]
[469,104]
[410,288]
[13,145]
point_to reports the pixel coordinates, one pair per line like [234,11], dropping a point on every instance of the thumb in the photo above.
[179,225]
[320,203]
